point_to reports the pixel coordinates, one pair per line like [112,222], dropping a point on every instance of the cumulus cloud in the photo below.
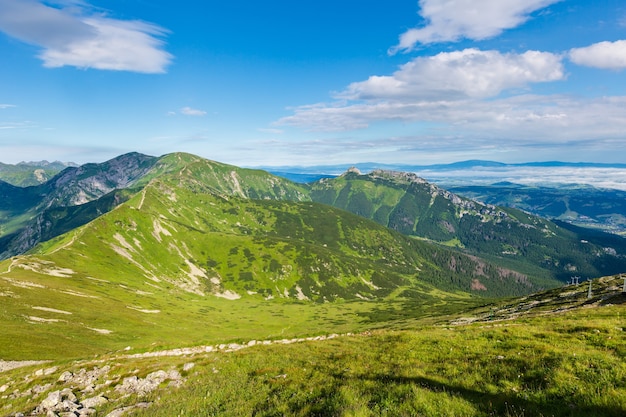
[449,88]
[452,20]
[605,55]
[468,73]
[188,111]
[72,34]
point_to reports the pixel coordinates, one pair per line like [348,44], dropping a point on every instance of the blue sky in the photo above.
[304,83]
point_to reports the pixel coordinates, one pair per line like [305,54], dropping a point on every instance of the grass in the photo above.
[545,366]
[174,318]
[550,354]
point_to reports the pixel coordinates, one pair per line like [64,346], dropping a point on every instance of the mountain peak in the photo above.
[406,177]
[353,170]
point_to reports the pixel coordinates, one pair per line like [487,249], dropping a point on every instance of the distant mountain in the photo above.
[584,194]
[409,204]
[538,250]
[337,169]
[31,215]
[587,206]
[27,174]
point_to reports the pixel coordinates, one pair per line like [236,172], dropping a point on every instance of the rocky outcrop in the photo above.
[87,390]
[63,401]
[142,386]
[75,186]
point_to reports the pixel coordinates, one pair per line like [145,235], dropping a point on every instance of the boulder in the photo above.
[56,401]
[94,402]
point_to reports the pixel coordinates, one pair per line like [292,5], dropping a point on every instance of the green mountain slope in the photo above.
[78,195]
[532,246]
[34,214]
[409,204]
[179,261]
[182,252]
[581,205]
[203,175]
[26,174]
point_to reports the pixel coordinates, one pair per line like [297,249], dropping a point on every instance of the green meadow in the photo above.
[556,353]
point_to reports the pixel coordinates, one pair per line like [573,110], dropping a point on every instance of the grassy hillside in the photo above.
[79,194]
[533,247]
[557,353]
[511,237]
[206,176]
[176,264]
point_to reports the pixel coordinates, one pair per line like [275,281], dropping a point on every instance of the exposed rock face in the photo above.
[94,402]
[72,187]
[65,403]
[80,185]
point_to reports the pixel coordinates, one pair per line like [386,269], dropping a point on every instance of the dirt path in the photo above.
[8,365]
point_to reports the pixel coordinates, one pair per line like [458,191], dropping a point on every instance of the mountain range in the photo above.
[180,249]
[535,249]
[465,165]
[583,194]
[113,269]
[26,174]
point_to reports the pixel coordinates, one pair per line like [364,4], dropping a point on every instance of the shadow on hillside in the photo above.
[500,404]
[619,298]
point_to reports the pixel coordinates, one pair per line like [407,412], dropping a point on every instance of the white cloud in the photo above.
[451,75]
[521,119]
[452,20]
[449,89]
[6,106]
[73,35]
[598,177]
[188,111]
[605,55]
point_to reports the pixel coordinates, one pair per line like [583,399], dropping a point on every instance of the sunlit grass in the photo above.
[547,366]
[550,354]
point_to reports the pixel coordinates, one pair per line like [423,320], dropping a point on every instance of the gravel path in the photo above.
[8,365]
